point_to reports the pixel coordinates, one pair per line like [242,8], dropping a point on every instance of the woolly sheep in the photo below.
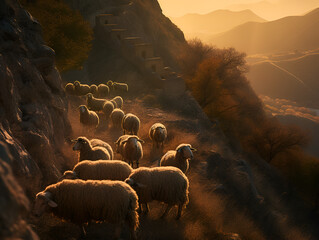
[130,124]
[179,157]
[108,108]
[119,101]
[81,89]
[99,170]
[117,116]
[158,134]
[95,104]
[103,90]
[110,84]
[83,201]
[100,143]
[69,89]
[93,90]
[114,103]
[130,148]
[120,87]
[87,117]
[164,184]
[87,152]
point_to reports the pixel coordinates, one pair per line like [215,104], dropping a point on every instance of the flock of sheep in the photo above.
[100,188]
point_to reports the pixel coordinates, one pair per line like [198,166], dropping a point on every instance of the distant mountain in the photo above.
[274,10]
[295,79]
[214,22]
[286,34]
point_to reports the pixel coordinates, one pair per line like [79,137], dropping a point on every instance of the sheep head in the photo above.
[83,109]
[89,96]
[77,83]
[186,150]
[68,175]
[81,143]
[42,201]
[134,184]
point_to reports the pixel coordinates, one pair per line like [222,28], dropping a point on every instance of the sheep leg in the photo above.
[137,164]
[179,212]
[169,206]
[147,208]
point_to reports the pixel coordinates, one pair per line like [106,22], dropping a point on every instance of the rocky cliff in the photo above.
[33,114]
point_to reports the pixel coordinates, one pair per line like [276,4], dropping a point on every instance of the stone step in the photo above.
[119,33]
[132,40]
[144,50]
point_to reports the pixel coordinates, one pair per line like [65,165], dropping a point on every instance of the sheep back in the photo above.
[82,201]
[108,107]
[88,117]
[164,184]
[131,123]
[102,170]
[119,101]
[103,90]
[96,153]
[69,89]
[100,143]
[117,116]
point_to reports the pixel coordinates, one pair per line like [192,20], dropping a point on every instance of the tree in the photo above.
[64,30]
[272,139]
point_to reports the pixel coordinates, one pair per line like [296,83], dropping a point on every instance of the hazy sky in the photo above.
[176,8]
[281,8]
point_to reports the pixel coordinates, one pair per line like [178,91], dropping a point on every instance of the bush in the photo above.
[64,30]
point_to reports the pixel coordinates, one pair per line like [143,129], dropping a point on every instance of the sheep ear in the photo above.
[193,149]
[52,204]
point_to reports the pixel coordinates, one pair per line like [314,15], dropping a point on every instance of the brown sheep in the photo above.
[130,148]
[179,158]
[81,89]
[158,134]
[103,90]
[119,101]
[108,108]
[117,116]
[100,143]
[87,117]
[120,87]
[83,201]
[95,104]
[93,90]
[164,184]
[130,124]
[87,152]
[99,170]
[69,89]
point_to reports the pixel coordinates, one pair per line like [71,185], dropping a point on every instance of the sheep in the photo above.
[120,87]
[103,90]
[117,116]
[99,170]
[130,124]
[93,90]
[100,143]
[179,157]
[130,148]
[87,152]
[87,117]
[164,184]
[95,104]
[81,89]
[158,134]
[81,201]
[108,108]
[114,103]
[69,89]
[119,101]
[110,84]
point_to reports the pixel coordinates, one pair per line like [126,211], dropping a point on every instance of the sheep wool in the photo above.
[87,117]
[164,184]
[95,104]
[81,89]
[100,143]
[158,134]
[119,101]
[117,116]
[87,152]
[130,124]
[103,90]
[99,170]
[93,90]
[82,201]
[179,158]
[69,89]
[120,87]
[108,108]
[130,147]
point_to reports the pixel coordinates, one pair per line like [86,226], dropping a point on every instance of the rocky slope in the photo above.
[33,115]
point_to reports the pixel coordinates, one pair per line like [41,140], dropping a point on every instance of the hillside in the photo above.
[294,79]
[233,195]
[195,25]
[275,36]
